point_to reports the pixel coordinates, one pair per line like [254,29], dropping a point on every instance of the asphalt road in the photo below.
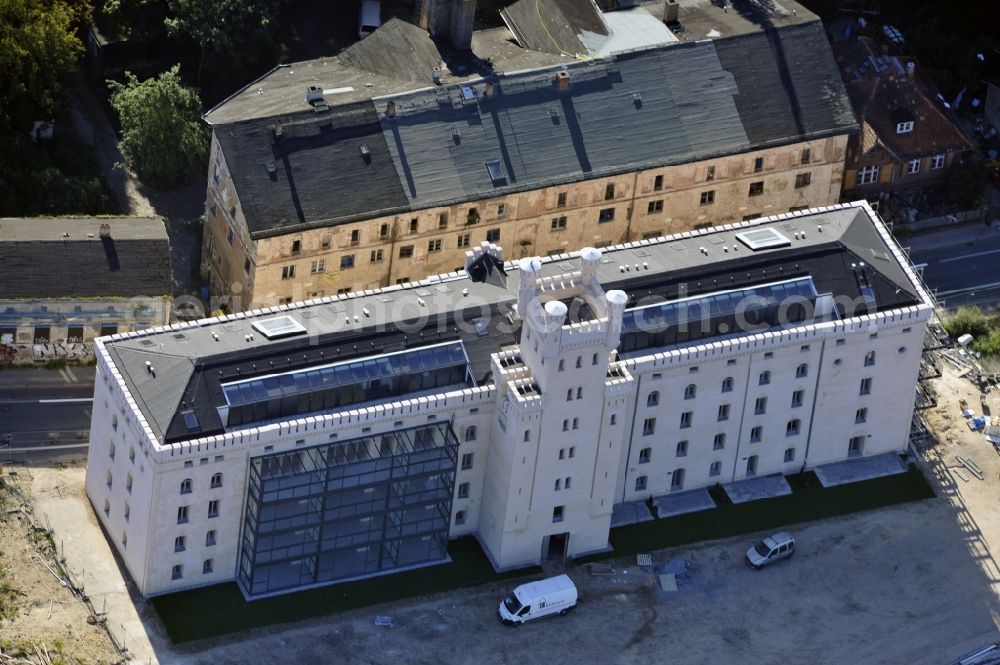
[962,264]
[45,414]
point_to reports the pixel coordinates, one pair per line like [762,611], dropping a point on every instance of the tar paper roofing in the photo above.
[91,257]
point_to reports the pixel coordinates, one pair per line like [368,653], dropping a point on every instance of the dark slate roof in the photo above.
[664,105]
[191,364]
[69,258]
[554,25]
[397,49]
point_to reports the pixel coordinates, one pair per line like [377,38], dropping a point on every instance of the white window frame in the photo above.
[937,161]
[904,127]
[913,167]
[867,175]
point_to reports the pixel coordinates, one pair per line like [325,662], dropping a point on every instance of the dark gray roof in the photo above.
[397,49]
[192,361]
[69,258]
[554,25]
[665,105]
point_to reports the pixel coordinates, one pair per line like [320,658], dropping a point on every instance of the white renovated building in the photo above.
[519,402]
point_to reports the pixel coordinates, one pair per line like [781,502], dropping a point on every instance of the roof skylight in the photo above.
[278,327]
[765,238]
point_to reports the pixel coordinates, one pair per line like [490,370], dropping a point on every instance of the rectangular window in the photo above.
[355,236]
[856,446]
[792,427]
[377,256]
[346,261]
[557,513]
[648,426]
[755,434]
[493,235]
[760,406]
[318,267]
[287,272]
[296,246]
[464,240]
[213,508]
[709,173]
[645,455]
[210,538]
[708,198]
[715,469]
[686,419]
[723,412]
[414,225]
[459,517]
[406,251]
[467,460]
[758,164]
[727,384]
[764,378]
[177,572]
[606,215]
[797,398]
[561,200]
[801,371]
[802,180]
[913,166]
[867,175]
[558,223]
[657,183]
[433,246]
[789,455]
[206,567]
[182,515]
[463,490]
[654,207]
[442,221]
[804,158]
[180,544]
[866,386]
[609,191]
[501,210]
[756,188]
[383,231]
[904,127]
[640,483]
[937,162]
[861,415]
[719,442]
[682,448]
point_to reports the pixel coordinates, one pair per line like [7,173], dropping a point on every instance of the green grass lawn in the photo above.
[808,501]
[220,609]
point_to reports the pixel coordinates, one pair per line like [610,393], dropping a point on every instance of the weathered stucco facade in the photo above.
[551,220]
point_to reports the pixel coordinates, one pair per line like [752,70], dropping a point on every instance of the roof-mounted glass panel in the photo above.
[278,327]
[191,420]
[495,169]
[766,238]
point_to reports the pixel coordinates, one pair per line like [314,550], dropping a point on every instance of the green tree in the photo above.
[38,53]
[163,137]
[240,32]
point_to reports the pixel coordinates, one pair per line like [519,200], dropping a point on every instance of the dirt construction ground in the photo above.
[916,583]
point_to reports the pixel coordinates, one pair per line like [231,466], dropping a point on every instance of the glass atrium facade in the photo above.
[348,509]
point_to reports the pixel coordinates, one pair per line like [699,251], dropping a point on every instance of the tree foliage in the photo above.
[163,137]
[38,53]
[968,320]
[238,32]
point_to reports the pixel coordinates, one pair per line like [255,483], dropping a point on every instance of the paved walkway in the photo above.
[633,512]
[685,502]
[764,487]
[852,471]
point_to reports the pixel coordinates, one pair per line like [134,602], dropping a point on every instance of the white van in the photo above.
[555,595]
[371,17]
[773,548]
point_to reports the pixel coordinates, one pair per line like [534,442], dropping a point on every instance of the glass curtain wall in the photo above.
[348,509]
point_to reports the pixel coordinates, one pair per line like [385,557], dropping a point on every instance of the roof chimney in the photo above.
[671,11]
[390,109]
[562,80]
[314,95]
[105,230]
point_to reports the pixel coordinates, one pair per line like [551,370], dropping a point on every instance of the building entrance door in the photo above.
[556,549]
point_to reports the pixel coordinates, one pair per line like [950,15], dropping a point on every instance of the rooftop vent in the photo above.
[366,154]
[562,80]
[390,109]
[436,75]
[314,95]
[278,327]
[637,100]
[105,230]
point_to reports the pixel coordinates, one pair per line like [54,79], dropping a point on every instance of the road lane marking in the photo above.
[969,256]
[64,375]
[72,376]
[66,401]
[969,288]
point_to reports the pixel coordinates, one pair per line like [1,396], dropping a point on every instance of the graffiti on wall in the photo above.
[45,351]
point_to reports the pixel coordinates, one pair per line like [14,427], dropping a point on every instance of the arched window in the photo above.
[470,433]
[690,391]
[869,358]
[653,399]
[186,486]
[217,480]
